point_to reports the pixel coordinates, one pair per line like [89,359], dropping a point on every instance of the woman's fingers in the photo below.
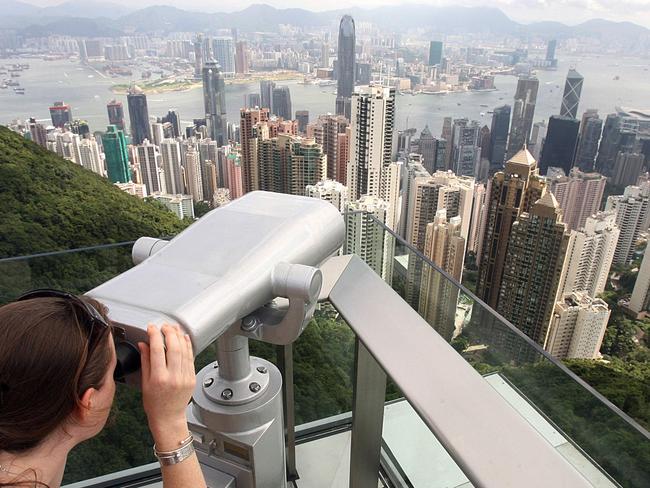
[156,351]
[174,361]
[145,360]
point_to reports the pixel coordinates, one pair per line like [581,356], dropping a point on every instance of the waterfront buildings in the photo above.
[560,144]
[435,53]
[640,300]
[571,97]
[523,112]
[281,102]
[61,114]
[345,65]
[138,115]
[499,137]
[214,103]
[115,111]
[591,128]
[223,50]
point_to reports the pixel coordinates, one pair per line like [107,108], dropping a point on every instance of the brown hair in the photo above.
[45,354]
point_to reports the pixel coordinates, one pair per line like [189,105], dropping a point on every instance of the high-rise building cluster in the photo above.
[520,198]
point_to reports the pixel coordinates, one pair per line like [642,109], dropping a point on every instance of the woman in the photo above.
[57,359]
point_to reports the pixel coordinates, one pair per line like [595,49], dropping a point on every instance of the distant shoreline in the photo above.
[162,86]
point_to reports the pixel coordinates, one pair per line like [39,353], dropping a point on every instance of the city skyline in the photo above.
[568,12]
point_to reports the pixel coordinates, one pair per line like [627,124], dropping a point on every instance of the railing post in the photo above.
[285,365]
[367,419]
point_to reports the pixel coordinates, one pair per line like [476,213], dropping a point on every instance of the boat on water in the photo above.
[483,105]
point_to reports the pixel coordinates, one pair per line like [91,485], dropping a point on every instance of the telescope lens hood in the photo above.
[128,360]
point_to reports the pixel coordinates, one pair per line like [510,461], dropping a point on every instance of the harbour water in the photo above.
[87,92]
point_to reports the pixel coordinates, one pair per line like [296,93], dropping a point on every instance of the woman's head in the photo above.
[56,372]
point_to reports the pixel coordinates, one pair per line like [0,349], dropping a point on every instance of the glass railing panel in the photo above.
[597,438]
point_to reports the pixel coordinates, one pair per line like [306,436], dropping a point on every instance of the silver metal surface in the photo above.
[221,268]
[285,365]
[367,419]
[487,438]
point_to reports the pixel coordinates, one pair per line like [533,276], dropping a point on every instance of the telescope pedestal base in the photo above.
[245,441]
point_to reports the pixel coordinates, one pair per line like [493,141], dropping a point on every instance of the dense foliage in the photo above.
[49,204]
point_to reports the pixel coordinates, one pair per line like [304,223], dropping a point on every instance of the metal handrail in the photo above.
[489,440]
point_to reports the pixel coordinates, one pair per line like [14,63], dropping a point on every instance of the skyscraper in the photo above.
[368,240]
[616,138]
[223,50]
[116,114]
[328,130]
[302,116]
[149,160]
[640,299]
[632,217]
[371,139]
[577,327]
[427,147]
[198,56]
[522,114]
[560,145]
[249,118]
[174,119]
[536,249]
[242,60]
[330,191]
[590,253]
[499,137]
[571,97]
[435,53]
[170,150]
[550,52]
[61,114]
[438,299]
[192,172]
[37,132]
[466,149]
[282,102]
[628,168]
[117,156]
[591,127]
[578,194]
[266,94]
[214,102]
[512,191]
[345,66]
[138,115]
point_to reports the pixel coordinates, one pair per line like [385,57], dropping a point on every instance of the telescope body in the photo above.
[221,268]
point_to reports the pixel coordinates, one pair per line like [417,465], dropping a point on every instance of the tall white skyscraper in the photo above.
[90,157]
[577,327]
[371,139]
[151,170]
[589,256]
[170,150]
[365,238]
[330,191]
[632,217]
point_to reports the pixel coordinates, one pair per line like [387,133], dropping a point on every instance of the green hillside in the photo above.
[49,204]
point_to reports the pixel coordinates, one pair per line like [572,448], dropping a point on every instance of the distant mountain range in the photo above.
[94,17]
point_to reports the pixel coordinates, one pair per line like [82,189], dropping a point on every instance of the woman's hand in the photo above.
[168,381]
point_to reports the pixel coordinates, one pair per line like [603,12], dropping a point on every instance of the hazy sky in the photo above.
[567,11]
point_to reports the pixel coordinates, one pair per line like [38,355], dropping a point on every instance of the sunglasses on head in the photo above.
[128,356]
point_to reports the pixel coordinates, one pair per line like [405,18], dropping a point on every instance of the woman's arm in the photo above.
[168,381]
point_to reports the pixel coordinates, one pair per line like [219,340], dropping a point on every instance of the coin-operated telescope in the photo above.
[249,269]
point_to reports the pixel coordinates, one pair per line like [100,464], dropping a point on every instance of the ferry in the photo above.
[19,91]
